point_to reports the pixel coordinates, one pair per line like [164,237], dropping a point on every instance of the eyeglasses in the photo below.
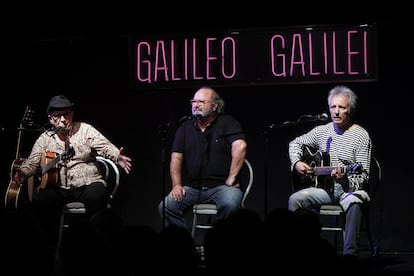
[56,116]
[201,102]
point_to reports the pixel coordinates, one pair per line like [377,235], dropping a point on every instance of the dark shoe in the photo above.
[349,257]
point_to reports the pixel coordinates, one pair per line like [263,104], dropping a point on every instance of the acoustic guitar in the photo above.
[11,199]
[321,176]
[49,172]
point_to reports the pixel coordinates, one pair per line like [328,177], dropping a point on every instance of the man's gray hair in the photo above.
[347,92]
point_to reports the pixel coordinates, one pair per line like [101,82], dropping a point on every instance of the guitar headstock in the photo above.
[27,119]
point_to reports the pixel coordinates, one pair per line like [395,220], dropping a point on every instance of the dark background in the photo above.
[83,53]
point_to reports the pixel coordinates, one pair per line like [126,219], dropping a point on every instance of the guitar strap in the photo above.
[67,148]
[330,186]
[328,144]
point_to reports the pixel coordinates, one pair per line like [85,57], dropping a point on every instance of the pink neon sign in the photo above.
[266,56]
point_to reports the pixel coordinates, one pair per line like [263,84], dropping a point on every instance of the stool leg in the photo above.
[60,234]
[193,227]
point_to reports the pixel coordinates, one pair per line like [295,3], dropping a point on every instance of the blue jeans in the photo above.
[227,199]
[312,197]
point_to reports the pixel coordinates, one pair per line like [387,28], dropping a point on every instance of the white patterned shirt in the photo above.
[81,168]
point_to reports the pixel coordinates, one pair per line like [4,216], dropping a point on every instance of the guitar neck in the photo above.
[50,165]
[46,165]
[26,117]
[325,170]
[19,139]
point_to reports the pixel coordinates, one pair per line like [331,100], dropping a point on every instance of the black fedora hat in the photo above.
[57,103]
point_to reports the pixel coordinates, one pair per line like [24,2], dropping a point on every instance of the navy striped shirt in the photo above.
[352,146]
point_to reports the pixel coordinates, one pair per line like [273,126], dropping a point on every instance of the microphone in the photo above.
[301,120]
[321,117]
[60,127]
[196,116]
[313,118]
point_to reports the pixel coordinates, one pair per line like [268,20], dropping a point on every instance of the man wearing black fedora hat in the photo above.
[58,102]
[78,178]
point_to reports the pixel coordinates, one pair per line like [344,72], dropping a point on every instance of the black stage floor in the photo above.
[387,263]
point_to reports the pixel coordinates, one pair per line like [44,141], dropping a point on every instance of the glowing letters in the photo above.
[327,58]
[333,53]
[189,59]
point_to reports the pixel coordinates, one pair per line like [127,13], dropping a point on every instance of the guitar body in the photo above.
[51,175]
[13,194]
[11,198]
[321,179]
[50,166]
[320,163]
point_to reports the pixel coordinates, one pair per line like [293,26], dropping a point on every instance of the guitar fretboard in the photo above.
[325,170]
